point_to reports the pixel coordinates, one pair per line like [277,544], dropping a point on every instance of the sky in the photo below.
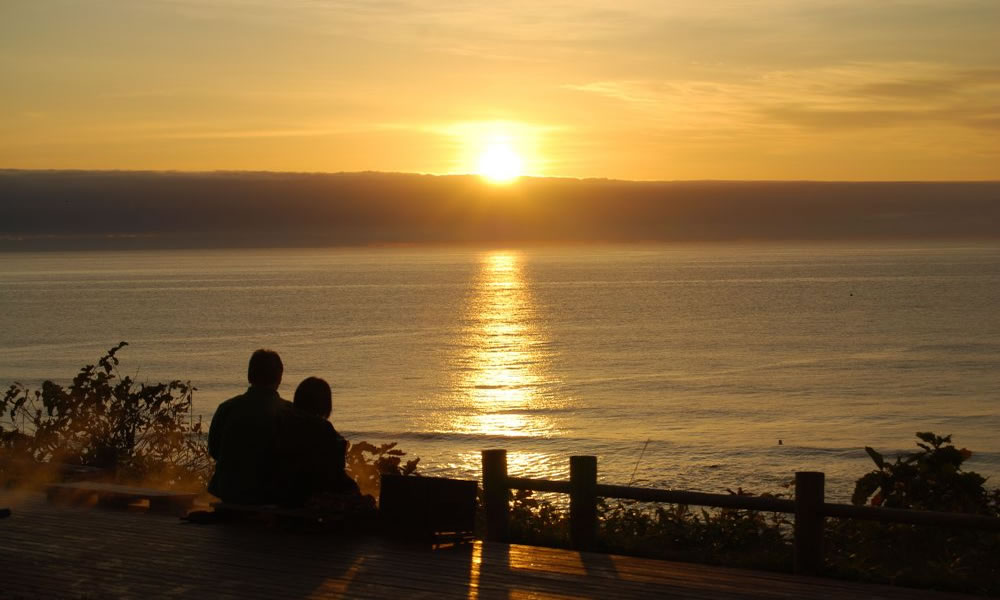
[632,89]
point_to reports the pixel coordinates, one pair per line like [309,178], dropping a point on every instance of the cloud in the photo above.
[839,119]
[633,91]
[849,96]
[945,83]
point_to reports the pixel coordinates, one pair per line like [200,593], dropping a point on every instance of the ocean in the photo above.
[677,366]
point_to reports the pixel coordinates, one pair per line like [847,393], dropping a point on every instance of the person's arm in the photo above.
[215,430]
[347,482]
[340,452]
[334,457]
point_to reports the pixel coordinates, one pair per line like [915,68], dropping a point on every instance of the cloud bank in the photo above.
[49,210]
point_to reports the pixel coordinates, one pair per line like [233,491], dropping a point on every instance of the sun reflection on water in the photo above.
[504,386]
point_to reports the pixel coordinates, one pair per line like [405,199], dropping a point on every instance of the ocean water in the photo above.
[678,367]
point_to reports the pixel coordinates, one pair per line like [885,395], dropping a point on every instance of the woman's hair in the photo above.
[313,395]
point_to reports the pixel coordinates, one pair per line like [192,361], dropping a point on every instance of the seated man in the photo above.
[242,435]
[310,452]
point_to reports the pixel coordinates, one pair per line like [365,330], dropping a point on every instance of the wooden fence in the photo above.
[808,506]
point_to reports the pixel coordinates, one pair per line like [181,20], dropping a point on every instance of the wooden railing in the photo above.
[808,506]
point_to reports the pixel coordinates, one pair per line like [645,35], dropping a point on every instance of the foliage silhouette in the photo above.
[929,479]
[138,432]
[677,532]
[366,463]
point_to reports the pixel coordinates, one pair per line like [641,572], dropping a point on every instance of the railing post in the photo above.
[583,501]
[809,522]
[495,495]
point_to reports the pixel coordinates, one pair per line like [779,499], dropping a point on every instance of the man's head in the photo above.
[265,369]
[313,396]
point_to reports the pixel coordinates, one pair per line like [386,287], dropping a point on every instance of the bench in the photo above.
[114,495]
[427,508]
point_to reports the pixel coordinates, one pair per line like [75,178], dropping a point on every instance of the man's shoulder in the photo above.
[227,406]
[230,402]
[256,398]
[224,409]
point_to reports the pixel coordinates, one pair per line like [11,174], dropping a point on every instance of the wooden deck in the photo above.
[51,551]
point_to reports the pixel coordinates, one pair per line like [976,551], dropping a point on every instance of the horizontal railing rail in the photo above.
[696,498]
[912,517]
[808,506]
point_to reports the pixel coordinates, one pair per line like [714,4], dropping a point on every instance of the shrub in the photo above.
[735,537]
[675,532]
[138,432]
[537,521]
[929,479]
[366,463]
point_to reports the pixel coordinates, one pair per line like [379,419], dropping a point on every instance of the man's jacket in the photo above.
[242,442]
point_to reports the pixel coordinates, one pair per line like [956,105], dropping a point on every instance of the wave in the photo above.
[450,436]
[743,452]
[850,453]
[980,347]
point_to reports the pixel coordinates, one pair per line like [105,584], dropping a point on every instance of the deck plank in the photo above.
[56,551]
[116,489]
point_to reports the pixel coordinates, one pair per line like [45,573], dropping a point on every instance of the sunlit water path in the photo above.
[712,354]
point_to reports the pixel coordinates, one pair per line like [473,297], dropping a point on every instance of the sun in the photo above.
[499,163]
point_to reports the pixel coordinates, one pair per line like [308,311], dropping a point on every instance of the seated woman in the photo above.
[310,453]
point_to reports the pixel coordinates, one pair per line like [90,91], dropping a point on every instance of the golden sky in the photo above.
[631,89]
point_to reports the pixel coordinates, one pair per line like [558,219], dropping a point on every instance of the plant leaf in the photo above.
[876,457]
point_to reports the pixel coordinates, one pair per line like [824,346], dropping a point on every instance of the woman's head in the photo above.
[314,396]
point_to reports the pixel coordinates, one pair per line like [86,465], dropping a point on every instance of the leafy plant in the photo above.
[366,463]
[138,432]
[537,521]
[931,479]
[675,532]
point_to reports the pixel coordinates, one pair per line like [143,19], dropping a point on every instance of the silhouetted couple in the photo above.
[271,451]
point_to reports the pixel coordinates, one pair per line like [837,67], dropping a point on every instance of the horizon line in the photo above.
[480,177]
